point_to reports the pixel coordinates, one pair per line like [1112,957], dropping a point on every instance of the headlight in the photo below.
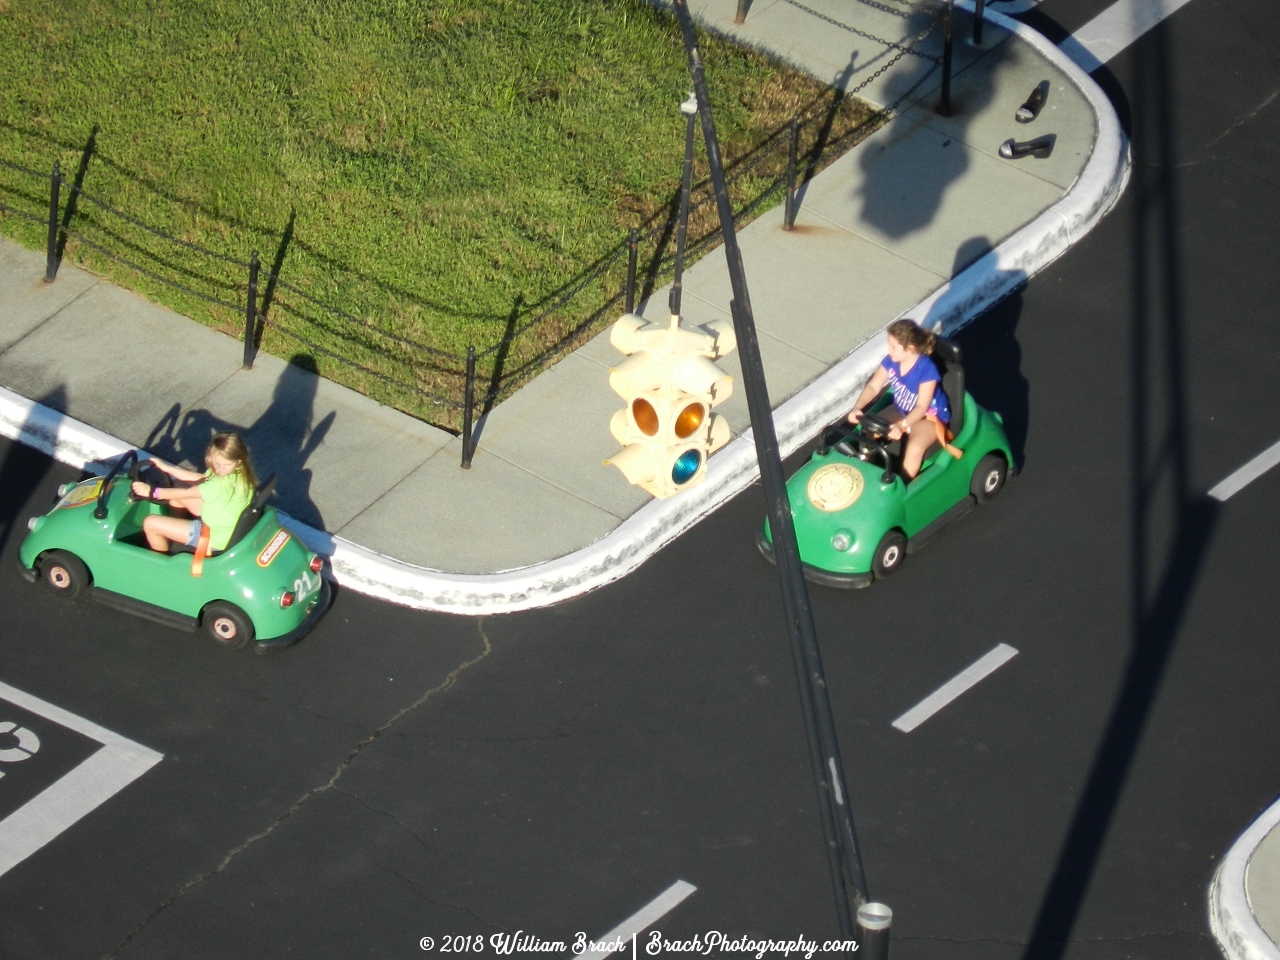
[31,524]
[842,541]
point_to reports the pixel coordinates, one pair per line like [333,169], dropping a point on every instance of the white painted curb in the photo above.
[1230,916]
[730,471]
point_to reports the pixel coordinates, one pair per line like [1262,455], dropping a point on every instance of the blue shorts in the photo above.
[193,534]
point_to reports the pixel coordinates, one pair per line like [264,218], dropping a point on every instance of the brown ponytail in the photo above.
[911,334]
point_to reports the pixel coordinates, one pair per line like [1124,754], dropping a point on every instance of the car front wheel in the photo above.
[889,554]
[226,625]
[64,573]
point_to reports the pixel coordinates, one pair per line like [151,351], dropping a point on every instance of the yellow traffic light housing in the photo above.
[670,384]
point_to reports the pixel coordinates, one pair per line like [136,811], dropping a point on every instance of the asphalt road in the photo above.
[402,775]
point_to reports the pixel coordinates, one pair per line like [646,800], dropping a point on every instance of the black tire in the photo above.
[226,625]
[889,554]
[988,478]
[64,573]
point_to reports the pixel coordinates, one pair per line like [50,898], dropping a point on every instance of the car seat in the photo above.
[247,520]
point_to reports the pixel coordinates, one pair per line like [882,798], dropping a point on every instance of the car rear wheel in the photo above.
[64,573]
[226,625]
[889,554]
[988,479]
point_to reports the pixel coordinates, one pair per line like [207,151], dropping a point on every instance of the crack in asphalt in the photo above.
[306,797]
[417,892]
[398,822]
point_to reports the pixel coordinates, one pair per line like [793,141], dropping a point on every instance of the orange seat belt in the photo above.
[202,551]
[945,436]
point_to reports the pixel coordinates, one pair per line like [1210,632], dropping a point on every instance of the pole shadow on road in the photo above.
[1164,505]
[22,472]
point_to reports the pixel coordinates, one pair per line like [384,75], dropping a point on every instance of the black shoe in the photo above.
[1035,103]
[1040,148]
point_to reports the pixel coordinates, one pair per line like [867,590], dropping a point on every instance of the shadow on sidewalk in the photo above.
[281,440]
[1172,525]
[21,473]
[900,199]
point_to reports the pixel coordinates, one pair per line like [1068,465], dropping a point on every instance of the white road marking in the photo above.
[1250,472]
[92,783]
[638,922]
[1114,29]
[967,678]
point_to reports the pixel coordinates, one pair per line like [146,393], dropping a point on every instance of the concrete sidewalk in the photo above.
[922,215]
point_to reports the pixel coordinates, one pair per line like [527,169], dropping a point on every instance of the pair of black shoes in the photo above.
[1040,147]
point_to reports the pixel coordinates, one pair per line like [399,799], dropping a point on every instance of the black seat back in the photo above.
[946,354]
[251,514]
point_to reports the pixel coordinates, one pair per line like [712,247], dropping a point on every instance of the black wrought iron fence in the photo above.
[447,387]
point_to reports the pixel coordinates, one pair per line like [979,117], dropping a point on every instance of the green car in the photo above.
[265,588]
[856,518]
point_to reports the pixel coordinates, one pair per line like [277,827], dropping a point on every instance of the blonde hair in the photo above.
[233,447]
[911,334]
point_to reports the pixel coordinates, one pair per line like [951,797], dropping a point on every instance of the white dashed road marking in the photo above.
[638,922]
[1114,29]
[967,678]
[1250,472]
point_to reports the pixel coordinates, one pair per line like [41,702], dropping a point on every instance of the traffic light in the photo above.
[670,384]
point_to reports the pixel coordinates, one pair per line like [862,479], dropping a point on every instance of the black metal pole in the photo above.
[978,7]
[944,107]
[468,405]
[789,215]
[251,312]
[51,250]
[741,16]
[690,106]
[842,845]
[875,921]
[633,248]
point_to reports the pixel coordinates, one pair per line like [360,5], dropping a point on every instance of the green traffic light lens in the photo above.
[685,467]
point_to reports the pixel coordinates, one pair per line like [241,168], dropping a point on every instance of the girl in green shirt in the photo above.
[213,499]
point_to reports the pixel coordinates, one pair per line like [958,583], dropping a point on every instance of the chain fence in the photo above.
[425,380]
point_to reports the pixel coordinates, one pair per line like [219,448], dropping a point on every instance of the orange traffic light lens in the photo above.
[690,419]
[645,416]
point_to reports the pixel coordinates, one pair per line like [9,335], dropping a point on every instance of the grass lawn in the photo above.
[442,170]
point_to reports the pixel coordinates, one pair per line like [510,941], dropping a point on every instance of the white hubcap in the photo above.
[891,557]
[59,577]
[225,628]
[993,481]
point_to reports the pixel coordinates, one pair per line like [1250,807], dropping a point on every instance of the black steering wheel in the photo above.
[864,440]
[130,459]
[143,471]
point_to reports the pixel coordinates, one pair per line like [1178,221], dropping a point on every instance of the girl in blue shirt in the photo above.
[917,392]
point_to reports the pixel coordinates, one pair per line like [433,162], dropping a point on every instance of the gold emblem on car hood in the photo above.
[835,486]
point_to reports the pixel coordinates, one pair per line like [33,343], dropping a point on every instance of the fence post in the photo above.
[741,16]
[468,402]
[789,218]
[944,107]
[633,243]
[51,251]
[977,22]
[251,312]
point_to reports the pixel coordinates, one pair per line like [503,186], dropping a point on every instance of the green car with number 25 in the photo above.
[857,518]
[265,588]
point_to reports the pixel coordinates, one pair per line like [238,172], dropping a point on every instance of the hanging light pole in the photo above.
[843,856]
[690,109]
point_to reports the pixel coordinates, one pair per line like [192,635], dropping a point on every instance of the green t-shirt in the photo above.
[222,500]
